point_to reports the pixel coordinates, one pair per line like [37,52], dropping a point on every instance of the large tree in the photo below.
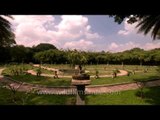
[43,46]
[77,58]
[146,23]
[6,33]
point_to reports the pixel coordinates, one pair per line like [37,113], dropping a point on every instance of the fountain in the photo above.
[80,80]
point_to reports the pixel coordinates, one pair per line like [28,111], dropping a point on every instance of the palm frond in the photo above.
[148,23]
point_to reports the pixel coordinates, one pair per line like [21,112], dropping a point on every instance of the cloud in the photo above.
[128,29]
[79,45]
[31,30]
[34,29]
[76,26]
[149,46]
[114,47]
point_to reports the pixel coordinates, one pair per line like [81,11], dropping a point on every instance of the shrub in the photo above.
[39,72]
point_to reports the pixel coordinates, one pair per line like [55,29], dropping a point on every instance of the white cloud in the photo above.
[79,45]
[128,28]
[76,26]
[34,29]
[31,30]
[149,46]
[114,47]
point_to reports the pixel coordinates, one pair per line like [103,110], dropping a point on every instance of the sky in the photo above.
[81,32]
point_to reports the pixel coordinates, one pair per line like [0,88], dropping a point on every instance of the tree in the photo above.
[39,56]
[141,84]
[6,38]
[156,57]
[18,53]
[146,23]
[108,57]
[6,34]
[76,57]
[43,46]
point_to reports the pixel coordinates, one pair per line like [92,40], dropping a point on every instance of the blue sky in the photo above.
[83,32]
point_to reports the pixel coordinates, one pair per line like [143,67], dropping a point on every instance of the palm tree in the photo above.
[150,23]
[6,34]
[146,23]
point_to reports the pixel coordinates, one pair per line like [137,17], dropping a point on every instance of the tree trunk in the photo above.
[140,63]
[122,65]
[108,63]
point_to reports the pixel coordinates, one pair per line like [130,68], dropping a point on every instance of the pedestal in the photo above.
[80,84]
[80,98]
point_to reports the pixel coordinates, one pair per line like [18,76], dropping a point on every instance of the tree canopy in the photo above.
[6,33]
[43,47]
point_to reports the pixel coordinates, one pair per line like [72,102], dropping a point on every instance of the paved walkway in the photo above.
[67,90]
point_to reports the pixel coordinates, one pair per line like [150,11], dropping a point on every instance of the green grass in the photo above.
[123,79]
[41,80]
[7,71]
[44,71]
[152,97]
[58,66]
[34,99]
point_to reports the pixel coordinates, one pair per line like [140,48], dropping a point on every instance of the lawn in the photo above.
[140,75]
[151,97]
[124,79]
[41,80]
[6,98]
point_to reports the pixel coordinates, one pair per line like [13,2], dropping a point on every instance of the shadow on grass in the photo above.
[152,95]
[148,78]
[21,98]
[52,100]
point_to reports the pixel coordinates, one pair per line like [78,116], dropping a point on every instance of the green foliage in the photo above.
[39,72]
[21,54]
[116,71]
[76,58]
[44,46]
[114,74]
[6,35]
[96,74]
[129,73]
[17,70]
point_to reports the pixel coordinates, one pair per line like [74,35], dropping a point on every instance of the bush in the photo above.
[114,74]
[39,72]
[17,70]
[129,73]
